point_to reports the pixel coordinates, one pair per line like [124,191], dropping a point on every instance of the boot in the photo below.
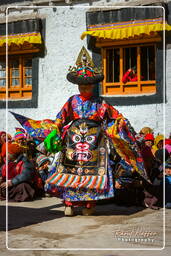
[69,211]
[88,211]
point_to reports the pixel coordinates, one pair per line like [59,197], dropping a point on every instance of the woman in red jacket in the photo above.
[21,175]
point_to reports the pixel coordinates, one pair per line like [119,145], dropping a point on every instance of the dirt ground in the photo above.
[39,228]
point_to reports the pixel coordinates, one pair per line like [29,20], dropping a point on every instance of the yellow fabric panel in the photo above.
[122,33]
[20,39]
[122,147]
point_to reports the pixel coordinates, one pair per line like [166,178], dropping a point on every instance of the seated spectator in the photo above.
[135,190]
[21,177]
[128,187]
[125,178]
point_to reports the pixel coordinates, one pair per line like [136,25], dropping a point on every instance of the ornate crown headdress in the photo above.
[84,72]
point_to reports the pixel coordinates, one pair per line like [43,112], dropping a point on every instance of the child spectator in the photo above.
[31,151]
[20,137]
[42,166]
[168,183]
[160,155]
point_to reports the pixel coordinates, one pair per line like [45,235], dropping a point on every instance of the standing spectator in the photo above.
[146,130]
[130,75]
[140,136]
[148,157]
[3,137]
[158,143]
[168,145]
[2,141]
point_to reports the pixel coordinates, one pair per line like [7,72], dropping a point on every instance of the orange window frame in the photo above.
[21,91]
[130,88]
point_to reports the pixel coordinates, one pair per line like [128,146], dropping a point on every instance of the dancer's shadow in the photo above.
[24,216]
[116,210]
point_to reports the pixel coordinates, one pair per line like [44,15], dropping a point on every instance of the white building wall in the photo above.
[63,43]
[168,90]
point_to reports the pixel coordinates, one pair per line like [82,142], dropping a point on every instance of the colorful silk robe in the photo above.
[110,119]
[78,181]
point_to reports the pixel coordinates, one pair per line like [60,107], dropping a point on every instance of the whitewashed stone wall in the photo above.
[168,90]
[63,30]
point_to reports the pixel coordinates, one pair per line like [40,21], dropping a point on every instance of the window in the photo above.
[119,80]
[25,47]
[19,72]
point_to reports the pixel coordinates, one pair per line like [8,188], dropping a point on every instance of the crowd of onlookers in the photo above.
[29,165]
[26,169]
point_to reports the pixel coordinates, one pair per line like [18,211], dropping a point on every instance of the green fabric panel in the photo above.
[53,142]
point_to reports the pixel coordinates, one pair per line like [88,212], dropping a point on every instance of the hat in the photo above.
[41,159]
[158,139]
[149,136]
[19,135]
[13,148]
[167,141]
[146,130]
[83,73]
